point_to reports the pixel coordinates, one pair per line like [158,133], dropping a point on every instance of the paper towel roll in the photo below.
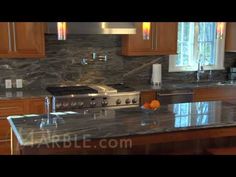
[156,74]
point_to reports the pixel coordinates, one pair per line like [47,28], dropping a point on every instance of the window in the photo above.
[198,45]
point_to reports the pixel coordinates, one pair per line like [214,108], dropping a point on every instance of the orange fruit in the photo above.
[146,105]
[155,104]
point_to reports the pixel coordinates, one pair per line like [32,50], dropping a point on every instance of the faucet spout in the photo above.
[200,70]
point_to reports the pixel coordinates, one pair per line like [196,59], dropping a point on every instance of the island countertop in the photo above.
[109,123]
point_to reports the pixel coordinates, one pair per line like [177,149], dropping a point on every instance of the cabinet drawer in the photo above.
[5,148]
[147,96]
[4,129]
[11,107]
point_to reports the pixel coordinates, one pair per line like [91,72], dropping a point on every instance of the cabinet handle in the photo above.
[156,36]
[14,36]
[9,36]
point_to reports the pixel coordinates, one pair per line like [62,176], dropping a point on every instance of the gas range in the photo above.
[76,97]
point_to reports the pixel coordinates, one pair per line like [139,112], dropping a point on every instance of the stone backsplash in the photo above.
[62,64]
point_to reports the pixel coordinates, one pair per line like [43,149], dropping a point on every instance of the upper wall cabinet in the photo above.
[22,40]
[230,42]
[162,41]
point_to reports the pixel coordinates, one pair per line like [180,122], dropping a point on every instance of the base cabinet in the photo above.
[214,94]
[15,107]
[147,96]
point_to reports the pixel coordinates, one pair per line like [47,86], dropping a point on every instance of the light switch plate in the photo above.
[19,83]
[8,83]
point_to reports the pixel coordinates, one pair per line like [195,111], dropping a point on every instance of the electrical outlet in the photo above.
[8,83]
[19,83]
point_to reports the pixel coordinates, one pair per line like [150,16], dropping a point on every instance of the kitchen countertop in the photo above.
[33,129]
[171,86]
[7,94]
[25,93]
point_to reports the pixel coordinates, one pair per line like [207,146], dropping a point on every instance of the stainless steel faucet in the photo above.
[200,70]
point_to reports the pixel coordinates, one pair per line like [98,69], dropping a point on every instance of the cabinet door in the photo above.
[214,94]
[28,39]
[5,39]
[4,129]
[36,106]
[12,107]
[230,41]
[166,37]
[147,96]
[135,45]
[163,40]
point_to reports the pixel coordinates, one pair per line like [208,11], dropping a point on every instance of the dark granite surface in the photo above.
[6,94]
[172,86]
[33,129]
[167,86]
[62,64]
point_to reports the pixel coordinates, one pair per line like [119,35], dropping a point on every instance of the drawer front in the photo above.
[11,107]
[147,96]
[5,147]
[4,129]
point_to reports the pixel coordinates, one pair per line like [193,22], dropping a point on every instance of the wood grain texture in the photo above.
[163,40]
[214,93]
[147,96]
[27,40]
[16,107]
[4,38]
[230,42]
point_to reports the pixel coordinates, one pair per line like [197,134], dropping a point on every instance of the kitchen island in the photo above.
[184,128]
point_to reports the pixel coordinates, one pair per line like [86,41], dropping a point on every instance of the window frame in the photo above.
[220,51]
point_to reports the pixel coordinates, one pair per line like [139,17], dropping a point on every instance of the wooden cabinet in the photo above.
[5,38]
[15,107]
[163,40]
[213,94]
[22,40]
[230,41]
[147,96]
[36,106]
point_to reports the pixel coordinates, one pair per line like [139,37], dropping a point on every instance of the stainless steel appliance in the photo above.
[232,74]
[79,97]
[95,28]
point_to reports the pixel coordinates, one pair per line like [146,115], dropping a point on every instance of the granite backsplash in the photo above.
[62,64]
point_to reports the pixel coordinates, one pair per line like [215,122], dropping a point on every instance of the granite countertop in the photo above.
[6,94]
[176,85]
[108,123]
[167,86]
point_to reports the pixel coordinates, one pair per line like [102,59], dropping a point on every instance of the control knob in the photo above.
[80,104]
[92,102]
[118,101]
[134,101]
[127,101]
[73,104]
[104,102]
[65,104]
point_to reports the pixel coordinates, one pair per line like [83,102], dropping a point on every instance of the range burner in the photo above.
[92,96]
[121,87]
[68,90]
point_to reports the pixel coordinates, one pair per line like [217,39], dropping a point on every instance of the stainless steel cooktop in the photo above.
[70,97]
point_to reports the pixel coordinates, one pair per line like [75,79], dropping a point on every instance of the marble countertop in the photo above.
[167,86]
[176,85]
[6,94]
[108,123]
